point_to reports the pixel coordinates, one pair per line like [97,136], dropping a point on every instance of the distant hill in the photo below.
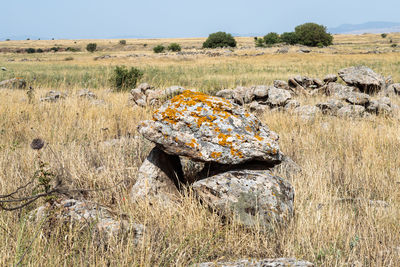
[368,27]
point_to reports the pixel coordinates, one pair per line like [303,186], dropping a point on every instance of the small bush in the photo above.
[384,35]
[159,49]
[272,38]
[124,79]
[69,58]
[39,50]
[8,39]
[259,42]
[219,39]
[30,50]
[312,34]
[393,45]
[91,47]
[122,42]
[289,38]
[144,45]
[174,47]
[72,49]
[54,48]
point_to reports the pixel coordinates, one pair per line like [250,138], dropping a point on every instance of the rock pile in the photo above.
[259,263]
[145,94]
[53,96]
[236,149]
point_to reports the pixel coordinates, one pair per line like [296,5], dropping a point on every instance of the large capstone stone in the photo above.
[363,78]
[253,196]
[210,129]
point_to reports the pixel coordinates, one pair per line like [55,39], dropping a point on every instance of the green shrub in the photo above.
[272,38]
[30,50]
[68,58]
[159,49]
[219,39]
[122,42]
[72,49]
[91,47]
[384,35]
[312,34]
[39,50]
[8,39]
[393,45]
[260,42]
[289,38]
[124,79]
[54,48]
[174,47]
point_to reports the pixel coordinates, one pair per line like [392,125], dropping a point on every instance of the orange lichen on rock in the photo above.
[215,154]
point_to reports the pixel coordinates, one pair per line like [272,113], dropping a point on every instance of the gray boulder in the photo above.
[253,196]
[307,111]
[393,89]
[338,90]
[357,98]
[260,92]
[331,107]
[380,106]
[158,178]
[363,78]
[210,129]
[278,262]
[278,97]
[226,93]
[53,96]
[102,220]
[85,93]
[292,104]
[352,111]
[281,84]
[14,83]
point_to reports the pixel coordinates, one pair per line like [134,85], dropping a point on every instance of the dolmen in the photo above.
[236,150]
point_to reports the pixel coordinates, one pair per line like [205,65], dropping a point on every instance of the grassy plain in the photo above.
[340,158]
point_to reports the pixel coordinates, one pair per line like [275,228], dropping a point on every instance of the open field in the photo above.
[340,158]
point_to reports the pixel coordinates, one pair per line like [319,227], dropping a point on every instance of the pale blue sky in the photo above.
[75,19]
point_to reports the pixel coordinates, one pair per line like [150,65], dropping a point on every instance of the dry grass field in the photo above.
[340,158]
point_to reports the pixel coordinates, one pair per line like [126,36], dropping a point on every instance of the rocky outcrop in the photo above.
[255,197]
[364,78]
[209,128]
[14,83]
[86,93]
[278,262]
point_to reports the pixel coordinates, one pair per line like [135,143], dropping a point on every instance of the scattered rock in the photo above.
[353,111]
[393,89]
[281,84]
[279,262]
[307,112]
[14,83]
[357,98]
[53,96]
[158,178]
[304,50]
[365,79]
[3,69]
[85,93]
[330,78]
[338,90]
[331,107]
[292,104]
[278,97]
[226,93]
[207,128]
[282,50]
[253,196]
[88,214]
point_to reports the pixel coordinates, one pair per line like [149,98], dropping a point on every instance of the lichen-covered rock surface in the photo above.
[210,129]
[279,262]
[253,196]
[363,78]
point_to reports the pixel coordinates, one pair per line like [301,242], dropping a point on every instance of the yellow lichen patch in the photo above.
[216,155]
[259,137]
[192,144]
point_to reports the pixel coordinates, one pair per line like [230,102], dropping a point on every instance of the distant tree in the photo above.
[91,47]
[27,39]
[384,35]
[8,39]
[219,39]
[289,38]
[272,38]
[174,47]
[30,50]
[312,34]
[39,50]
[122,42]
[159,49]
